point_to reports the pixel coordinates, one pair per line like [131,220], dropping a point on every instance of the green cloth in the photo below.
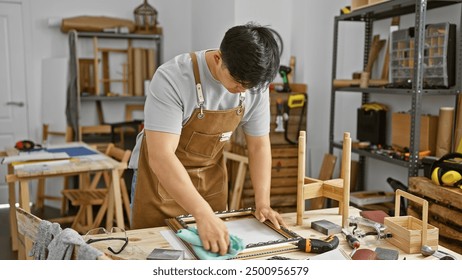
[190,235]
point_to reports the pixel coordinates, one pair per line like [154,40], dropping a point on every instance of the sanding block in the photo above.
[374,215]
[386,254]
[166,254]
[326,227]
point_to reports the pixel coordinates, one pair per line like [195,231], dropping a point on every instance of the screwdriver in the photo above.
[353,242]
[310,245]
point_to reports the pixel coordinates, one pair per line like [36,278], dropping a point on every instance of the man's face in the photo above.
[227,80]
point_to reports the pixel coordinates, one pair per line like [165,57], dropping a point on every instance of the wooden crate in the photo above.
[409,233]
[283,179]
[284,154]
[359,4]
[445,210]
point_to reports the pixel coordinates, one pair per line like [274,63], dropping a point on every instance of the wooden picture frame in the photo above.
[260,238]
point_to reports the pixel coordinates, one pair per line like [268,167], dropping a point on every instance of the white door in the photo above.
[13,106]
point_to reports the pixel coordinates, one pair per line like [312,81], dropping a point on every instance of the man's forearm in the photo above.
[260,170]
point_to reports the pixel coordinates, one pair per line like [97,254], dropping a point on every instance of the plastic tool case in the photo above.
[439,56]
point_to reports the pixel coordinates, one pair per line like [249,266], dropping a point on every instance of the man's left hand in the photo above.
[267,213]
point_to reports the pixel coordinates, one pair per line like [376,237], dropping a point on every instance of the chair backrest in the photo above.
[46,133]
[118,154]
[28,227]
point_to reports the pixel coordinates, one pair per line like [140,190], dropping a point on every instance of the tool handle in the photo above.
[322,246]
[353,242]
[423,202]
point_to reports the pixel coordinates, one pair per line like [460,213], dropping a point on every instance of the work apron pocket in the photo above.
[204,145]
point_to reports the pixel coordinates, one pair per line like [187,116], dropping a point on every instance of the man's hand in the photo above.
[213,234]
[267,213]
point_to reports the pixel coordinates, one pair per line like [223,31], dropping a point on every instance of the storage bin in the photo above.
[372,126]
[439,56]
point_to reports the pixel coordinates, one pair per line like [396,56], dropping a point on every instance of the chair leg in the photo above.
[102,211]
[125,198]
[64,200]
[40,194]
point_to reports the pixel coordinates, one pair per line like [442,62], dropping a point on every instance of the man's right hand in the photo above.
[213,233]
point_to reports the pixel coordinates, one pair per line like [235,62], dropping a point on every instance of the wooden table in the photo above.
[76,166]
[143,241]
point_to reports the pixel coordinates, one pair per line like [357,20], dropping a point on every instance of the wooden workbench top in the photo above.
[143,241]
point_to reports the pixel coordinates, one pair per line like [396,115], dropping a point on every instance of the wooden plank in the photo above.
[284,172]
[444,230]
[289,151]
[284,162]
[451,217]
[449,196]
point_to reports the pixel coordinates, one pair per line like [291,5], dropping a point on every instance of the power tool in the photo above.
[284,71]
[318,246]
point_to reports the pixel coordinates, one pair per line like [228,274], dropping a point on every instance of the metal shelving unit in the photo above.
[76,98]
[385,10]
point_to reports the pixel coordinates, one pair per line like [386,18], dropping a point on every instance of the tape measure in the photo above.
[26,145]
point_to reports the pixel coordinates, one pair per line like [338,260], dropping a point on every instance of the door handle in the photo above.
[15,103]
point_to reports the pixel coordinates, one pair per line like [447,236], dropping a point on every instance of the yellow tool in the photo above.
[296,100]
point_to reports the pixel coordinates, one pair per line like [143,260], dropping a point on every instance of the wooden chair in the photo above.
[41,195]
[336,189]
[243,161]
[96,135]
[325,173]
[28,227]
[90,195]
[123,131]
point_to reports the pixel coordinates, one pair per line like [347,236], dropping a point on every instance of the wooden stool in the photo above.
[336,189]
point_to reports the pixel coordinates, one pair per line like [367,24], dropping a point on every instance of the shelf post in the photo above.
[420,14]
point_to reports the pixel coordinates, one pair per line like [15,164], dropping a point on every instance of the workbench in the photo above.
[74,166]
[143,241]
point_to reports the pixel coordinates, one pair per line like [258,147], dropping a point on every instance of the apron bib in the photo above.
[200,150]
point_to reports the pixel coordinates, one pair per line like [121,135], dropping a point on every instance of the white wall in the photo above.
[49,42]
[305,26]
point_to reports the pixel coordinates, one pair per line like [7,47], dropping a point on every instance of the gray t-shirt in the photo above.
[172,98]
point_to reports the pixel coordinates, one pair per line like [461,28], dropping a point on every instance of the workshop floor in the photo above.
[5,240]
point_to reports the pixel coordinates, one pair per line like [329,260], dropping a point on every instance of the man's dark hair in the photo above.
[251,54]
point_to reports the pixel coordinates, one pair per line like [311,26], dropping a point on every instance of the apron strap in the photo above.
[197,79]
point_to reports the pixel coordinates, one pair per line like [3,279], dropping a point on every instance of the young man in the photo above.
[195,103]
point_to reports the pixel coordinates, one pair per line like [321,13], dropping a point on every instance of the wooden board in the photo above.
[445,209]
[448,196]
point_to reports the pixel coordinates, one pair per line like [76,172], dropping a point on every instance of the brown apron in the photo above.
[200,150]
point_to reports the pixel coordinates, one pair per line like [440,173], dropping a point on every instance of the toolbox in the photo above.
[408,232]
[372,126]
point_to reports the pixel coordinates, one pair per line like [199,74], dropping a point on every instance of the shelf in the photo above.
[400,91]
[112,98]
[392,8]
[366,153]
[120,35]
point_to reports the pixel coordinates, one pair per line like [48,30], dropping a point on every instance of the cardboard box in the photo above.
[401,131]
[358,4]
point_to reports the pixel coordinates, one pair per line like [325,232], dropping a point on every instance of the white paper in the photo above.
[176,243]
[34,156]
